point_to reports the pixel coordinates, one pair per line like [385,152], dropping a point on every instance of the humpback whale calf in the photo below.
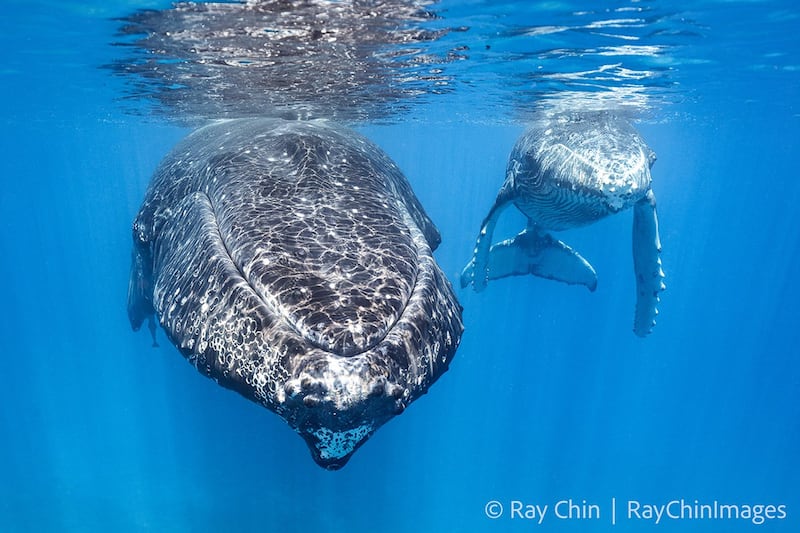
[567,171]
[291,262]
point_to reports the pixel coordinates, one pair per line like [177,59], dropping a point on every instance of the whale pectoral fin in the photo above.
[151,325]
[646,264]
[140,286]
[538,253]
[140,289]
[467,273]
[476,271]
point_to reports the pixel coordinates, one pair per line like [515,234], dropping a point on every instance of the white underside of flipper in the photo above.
[477,270]
[646,264]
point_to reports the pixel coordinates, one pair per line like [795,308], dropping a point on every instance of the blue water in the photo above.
[550,397]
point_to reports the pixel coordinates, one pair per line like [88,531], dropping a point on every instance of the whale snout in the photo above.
[337,406]
[333,435]
[332,449]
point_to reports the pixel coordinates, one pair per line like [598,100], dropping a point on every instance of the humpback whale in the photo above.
[290,261]
[567,171]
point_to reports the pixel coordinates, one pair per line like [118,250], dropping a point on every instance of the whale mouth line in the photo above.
[354,351]
[307,334]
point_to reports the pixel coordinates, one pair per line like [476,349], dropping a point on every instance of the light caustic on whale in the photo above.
[291,262]
[567,171]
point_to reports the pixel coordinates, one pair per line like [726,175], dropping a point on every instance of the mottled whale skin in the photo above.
[291,262]
[567,171]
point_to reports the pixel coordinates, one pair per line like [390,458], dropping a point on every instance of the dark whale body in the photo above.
[291,262]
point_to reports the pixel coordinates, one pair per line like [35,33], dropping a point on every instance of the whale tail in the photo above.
[535,252]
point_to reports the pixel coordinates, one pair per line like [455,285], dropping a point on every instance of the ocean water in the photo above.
[550,399]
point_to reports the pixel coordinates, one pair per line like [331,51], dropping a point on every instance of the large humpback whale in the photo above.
[567,171]
[291,262]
